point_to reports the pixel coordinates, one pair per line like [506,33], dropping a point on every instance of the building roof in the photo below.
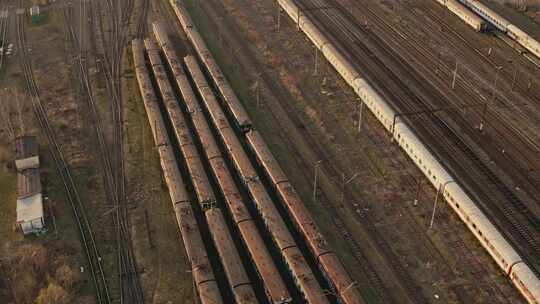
[25,147]
[34,10]
[28,182]
[29,208]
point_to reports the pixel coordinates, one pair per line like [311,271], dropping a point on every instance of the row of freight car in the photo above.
[486,233]
[202,272]
[333,270]
[470,10]
[222,238]
[193,87]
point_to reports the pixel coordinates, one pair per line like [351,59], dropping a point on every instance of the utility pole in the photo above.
[316,67]
[360,112]
[19,110]
[483,117]
[417,196]
[455,74]
[514,79]
[316,169]
[440,191]
[344,183]
[499,68]
[298,20]
[278,17]
[257,89]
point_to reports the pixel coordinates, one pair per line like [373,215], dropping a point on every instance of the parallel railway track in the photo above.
[346,34]
[111,155]
[375,280]
[4,27]
[520,156]
[85,229]
[114,25]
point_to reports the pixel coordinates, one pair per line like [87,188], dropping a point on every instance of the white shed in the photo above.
[30,214]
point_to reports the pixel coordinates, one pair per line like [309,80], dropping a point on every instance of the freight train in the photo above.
[327,260]
[201,270]
[284,241]
[274,286]
[487,234]
[239,282]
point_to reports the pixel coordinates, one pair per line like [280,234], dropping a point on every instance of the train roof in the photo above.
[518,19]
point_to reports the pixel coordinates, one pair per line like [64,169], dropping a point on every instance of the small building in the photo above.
[26,153]
[35,14]
[30,214]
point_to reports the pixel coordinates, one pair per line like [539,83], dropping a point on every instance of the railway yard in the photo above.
[272,151]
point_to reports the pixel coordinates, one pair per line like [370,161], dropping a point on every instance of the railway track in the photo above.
[114,30]
[519,150]
[111,160]
[4,27]
[489,173]
[142,22]
[407,101]
[279,114]
[85,229]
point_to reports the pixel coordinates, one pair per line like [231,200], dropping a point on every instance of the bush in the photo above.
[53,294]
[67,277]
